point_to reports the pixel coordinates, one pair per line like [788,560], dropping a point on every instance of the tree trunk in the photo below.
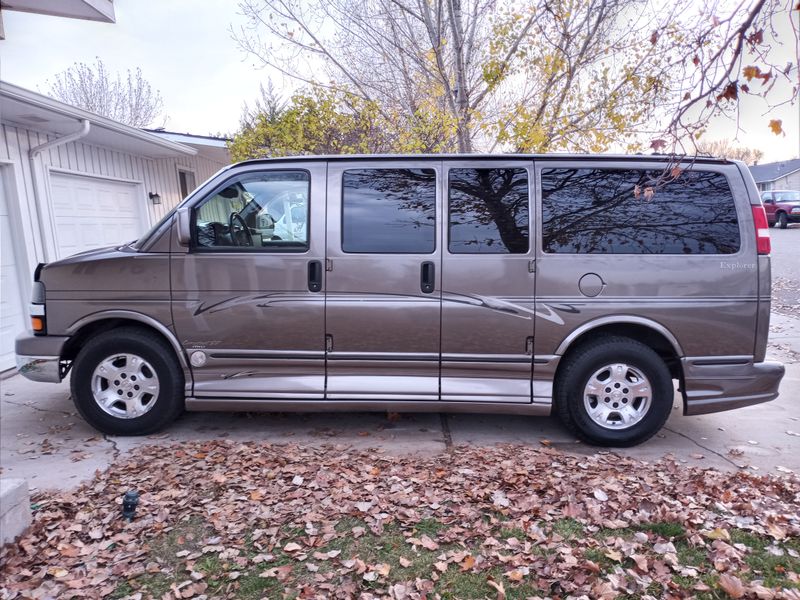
[461,99]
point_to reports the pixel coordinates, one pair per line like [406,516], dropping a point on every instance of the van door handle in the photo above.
[314,276]
[427,277]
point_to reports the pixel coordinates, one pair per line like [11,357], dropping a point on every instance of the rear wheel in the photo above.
[127,382]
[783,220]
[614,391]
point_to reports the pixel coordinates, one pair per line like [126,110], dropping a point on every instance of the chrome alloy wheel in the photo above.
[617,396]
[125,386]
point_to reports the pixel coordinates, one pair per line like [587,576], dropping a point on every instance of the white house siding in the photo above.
[32,229]
[789,182]
[153,175]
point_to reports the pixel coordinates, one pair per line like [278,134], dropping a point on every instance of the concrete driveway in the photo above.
[46,442]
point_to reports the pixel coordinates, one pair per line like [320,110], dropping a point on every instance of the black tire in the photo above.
[578,368]
[783,220]
[168,403]
[771,224]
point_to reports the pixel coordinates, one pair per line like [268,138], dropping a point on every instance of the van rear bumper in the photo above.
[716,383]
[39,357]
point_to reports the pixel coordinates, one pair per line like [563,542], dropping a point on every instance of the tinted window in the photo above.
[389,210]
[256,211]
[488,211]
[609,211]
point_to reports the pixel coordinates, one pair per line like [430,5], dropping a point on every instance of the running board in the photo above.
[540,408]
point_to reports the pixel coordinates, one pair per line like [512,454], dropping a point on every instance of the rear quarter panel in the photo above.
[707,302]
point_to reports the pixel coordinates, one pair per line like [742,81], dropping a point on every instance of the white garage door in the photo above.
[11,306]
[91,212]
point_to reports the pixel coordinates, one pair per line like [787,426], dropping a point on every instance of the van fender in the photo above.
[619,320]
[131,315]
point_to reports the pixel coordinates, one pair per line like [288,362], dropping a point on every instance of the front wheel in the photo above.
[127,382]
[614,392]
[783,220]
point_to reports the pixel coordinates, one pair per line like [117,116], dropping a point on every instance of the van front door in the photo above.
[487,281]
[383,298]
[247,295]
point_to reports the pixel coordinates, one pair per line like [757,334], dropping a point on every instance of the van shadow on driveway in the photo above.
[45,441]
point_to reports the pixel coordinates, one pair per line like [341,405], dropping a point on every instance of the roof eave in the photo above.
[24,95]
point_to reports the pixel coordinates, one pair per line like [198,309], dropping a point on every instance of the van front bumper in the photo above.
[713,384]
[39,357]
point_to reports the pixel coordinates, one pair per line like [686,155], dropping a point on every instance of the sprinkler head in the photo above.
[129,503]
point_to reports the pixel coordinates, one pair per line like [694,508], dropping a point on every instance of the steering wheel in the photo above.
[235,216]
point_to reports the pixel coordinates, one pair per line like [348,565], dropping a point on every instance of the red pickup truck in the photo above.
[782,206]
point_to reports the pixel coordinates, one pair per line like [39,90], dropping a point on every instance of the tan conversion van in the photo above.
[581,285]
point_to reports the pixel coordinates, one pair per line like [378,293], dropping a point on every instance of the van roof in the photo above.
[668,158]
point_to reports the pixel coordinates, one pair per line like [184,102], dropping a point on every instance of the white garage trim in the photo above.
[16,278]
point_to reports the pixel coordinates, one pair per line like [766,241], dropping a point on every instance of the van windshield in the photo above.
[137,244]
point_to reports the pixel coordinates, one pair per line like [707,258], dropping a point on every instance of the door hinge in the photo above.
[532,266]
[329,264]
[529,345]
[328,342]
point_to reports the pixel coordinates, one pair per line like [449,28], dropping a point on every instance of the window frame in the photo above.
[738,189]
[488,165]
[389,167]
[182,169]
[195,248]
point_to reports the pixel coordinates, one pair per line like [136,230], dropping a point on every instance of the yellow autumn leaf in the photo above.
[718,534]
[776,125]
[750,72]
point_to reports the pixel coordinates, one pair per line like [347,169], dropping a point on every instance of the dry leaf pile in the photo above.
[220,519]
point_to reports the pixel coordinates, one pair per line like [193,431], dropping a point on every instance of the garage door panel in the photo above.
[91,213]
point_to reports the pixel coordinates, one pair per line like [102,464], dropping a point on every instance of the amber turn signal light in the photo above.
[37,323]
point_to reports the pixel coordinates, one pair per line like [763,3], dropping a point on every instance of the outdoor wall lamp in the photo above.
[155,198]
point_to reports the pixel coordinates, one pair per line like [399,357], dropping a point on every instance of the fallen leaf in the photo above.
[614,555]
[718,534]
[732,585]
[428,543]
[776,531]
[280,573]
[292,547]
[57,572]
[499,587]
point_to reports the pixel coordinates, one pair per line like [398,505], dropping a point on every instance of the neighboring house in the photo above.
[71,180]
[784,175]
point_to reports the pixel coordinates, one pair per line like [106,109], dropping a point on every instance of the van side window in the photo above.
[608,211]
[488,211]
[389,211]
[263,211]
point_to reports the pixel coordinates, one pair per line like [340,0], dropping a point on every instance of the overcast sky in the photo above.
[185,50]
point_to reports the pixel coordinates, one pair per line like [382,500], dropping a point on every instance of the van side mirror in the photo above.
[184,225]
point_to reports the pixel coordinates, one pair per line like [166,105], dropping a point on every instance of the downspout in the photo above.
[33,153]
